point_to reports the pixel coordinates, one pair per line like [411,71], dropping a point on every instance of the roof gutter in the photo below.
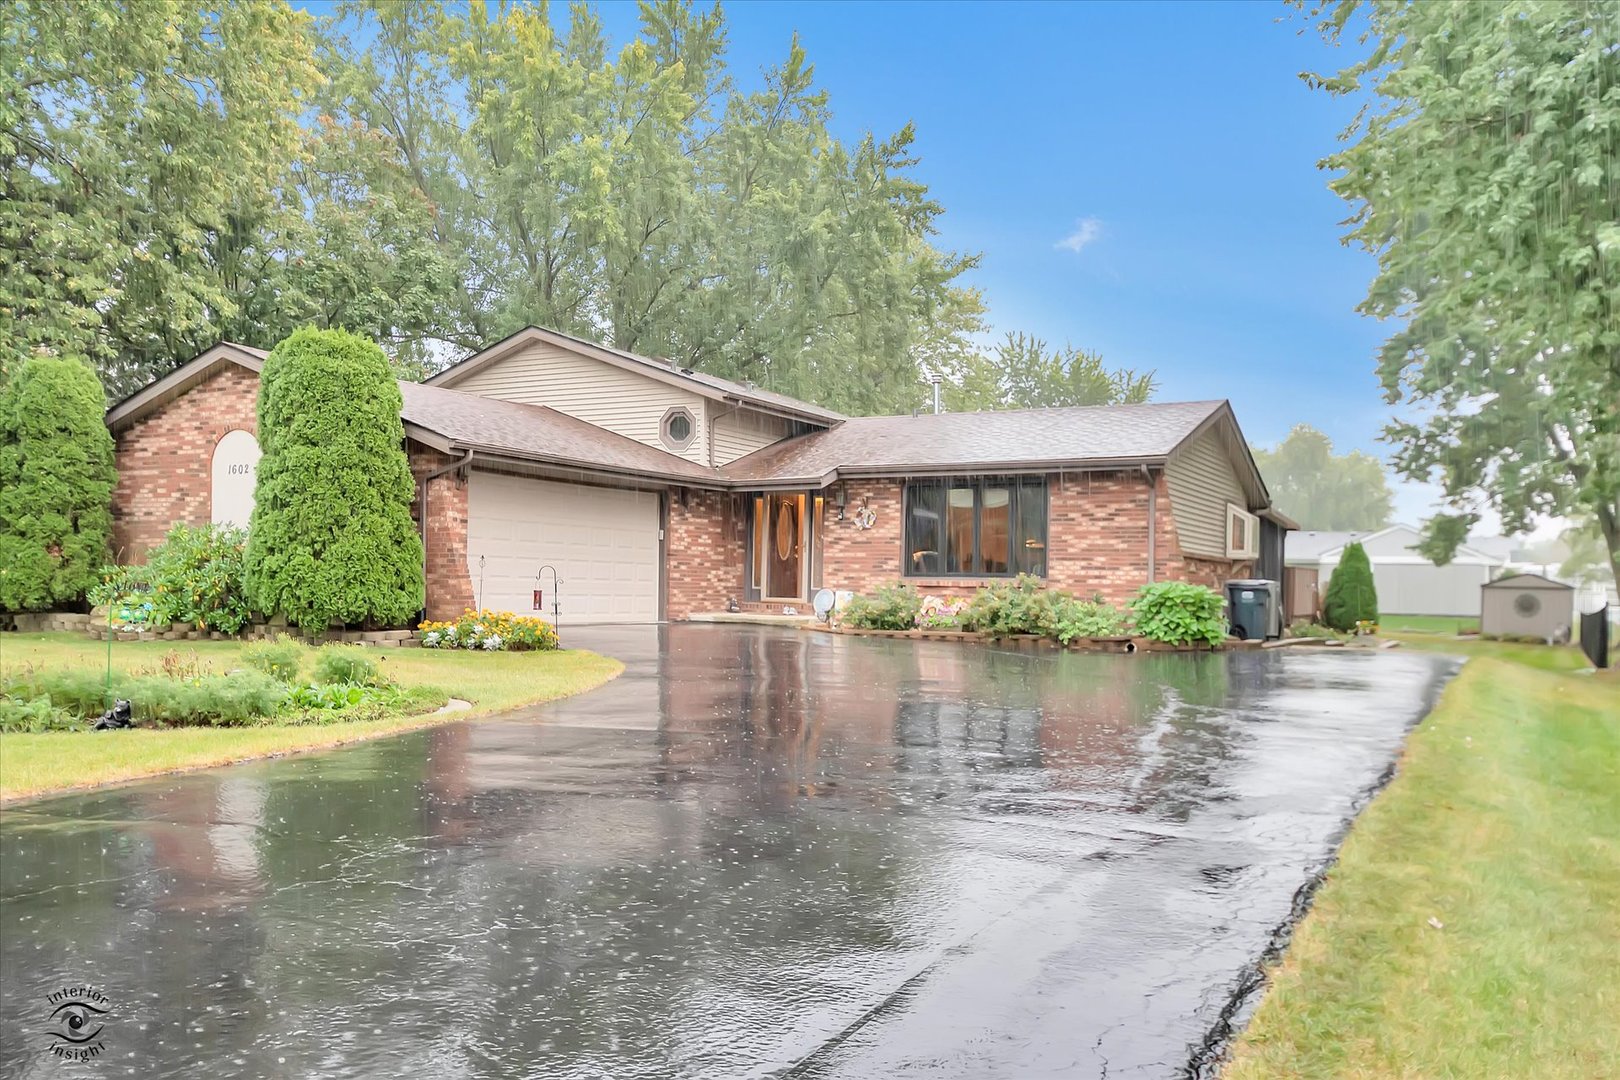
[652,481]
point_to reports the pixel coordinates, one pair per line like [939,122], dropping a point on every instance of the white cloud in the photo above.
[1086,230]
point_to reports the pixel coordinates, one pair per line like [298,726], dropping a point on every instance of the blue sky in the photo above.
[1140,179]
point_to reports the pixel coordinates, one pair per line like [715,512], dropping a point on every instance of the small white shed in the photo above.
[1527,605]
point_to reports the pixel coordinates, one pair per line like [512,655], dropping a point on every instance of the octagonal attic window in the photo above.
[1527,604]
[678,429]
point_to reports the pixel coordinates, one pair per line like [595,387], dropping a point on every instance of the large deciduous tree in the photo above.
[138,143]
[1483,175]
[56,483]
[1324,490]
[638,196]
[331,537]
[1023,372]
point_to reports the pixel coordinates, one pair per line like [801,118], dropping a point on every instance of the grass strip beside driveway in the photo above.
[34,764]
[1503,827]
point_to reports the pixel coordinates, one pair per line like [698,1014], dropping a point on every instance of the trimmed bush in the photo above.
[893,607]
[331,538]
[345,664]
[56,483]
[280,659]
[1073,618]
[1351,596]
[1019,606]
[1179,613]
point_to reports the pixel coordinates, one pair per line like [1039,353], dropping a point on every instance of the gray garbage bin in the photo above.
[1254,608]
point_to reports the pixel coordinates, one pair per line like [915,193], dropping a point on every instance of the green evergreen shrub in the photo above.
[1351,596]
[1179,613]
[893,607]
[345,664]
[56,482]
[331,539]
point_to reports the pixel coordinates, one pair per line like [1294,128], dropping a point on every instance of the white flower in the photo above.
[492,642]
[450,632]
[431,639]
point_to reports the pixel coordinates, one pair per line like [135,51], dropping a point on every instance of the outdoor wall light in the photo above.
[841,499]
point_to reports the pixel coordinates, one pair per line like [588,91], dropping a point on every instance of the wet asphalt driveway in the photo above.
[758,853]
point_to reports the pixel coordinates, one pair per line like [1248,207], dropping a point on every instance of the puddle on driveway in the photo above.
[758,853]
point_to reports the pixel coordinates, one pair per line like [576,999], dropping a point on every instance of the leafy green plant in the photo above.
[280,659]
[242,697]
[194,576]
[37,714]
[1179,613]
[345,664]
[1351,596]
[892,607]
[56,483]
[332,540]
[1074,618]
[339,704]
[1019,606]
[327,696]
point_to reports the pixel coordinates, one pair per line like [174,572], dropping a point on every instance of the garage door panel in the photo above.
[603,542]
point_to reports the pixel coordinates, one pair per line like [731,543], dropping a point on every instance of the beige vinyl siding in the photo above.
[1202,483]
[593,390]
[741,432]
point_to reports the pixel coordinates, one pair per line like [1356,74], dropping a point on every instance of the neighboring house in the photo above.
[1408,583]
[659,492]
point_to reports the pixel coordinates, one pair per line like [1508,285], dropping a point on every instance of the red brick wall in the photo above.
[1096,539]
[449,585]
[705,548]
[859,559]
[165,459]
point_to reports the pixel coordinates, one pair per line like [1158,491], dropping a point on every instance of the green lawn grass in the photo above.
[1504,827]
[34,764]
[1544,657]
[1429,624]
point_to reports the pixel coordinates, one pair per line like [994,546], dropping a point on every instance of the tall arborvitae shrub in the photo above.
[331,538]
[1351,596]
[56,482]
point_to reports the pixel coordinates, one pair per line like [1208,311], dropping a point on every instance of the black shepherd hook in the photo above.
[556,606]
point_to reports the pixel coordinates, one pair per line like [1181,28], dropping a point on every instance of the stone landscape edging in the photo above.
[1113,644]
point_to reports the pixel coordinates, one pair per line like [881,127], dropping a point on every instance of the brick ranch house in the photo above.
[661,493]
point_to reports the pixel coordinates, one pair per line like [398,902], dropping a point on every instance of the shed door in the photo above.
[603,542]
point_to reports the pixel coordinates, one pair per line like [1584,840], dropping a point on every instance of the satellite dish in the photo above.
[825,599]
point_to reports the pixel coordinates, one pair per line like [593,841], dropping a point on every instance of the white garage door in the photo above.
[603,542]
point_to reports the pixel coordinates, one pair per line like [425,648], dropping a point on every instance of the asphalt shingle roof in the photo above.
[537,433]
[979,440]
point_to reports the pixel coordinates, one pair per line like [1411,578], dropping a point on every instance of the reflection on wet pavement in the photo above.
[758,853]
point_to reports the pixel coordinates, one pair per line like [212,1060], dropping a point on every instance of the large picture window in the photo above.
[978,527]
